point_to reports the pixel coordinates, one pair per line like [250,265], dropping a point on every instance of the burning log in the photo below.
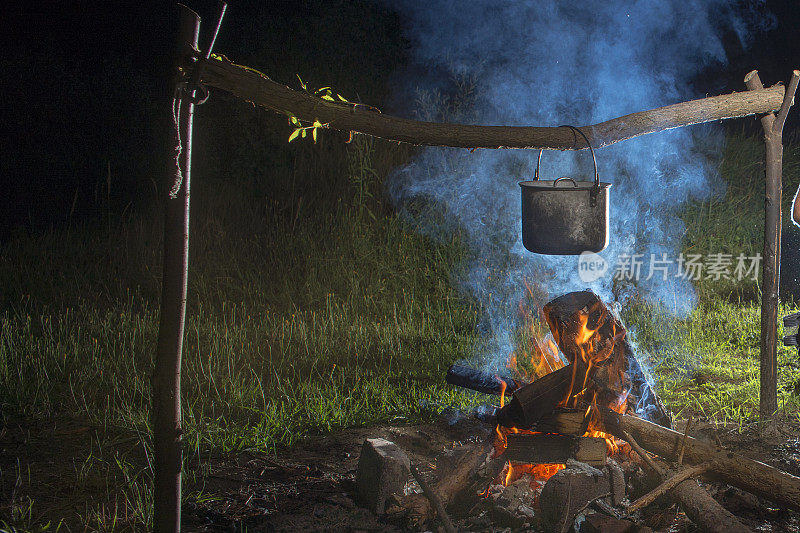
[535,400]
[601,361]
[555,449]
[564,421]
[587,332]
[469,378]
[732,468]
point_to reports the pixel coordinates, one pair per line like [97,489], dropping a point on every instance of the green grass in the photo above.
[310,316]
[299,323]
[734,223]
[707,364]
[365,335]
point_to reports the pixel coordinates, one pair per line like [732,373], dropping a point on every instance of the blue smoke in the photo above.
[553,62]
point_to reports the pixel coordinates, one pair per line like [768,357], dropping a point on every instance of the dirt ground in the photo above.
[67,469]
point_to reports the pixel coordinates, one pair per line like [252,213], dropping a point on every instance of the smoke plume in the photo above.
[547,63]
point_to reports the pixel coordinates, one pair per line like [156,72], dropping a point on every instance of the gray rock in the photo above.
[383,470]
[600,523]
[568,491]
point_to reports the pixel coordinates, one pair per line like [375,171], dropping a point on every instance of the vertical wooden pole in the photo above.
[768,390]
[768,396]
[166,382]
[773,139]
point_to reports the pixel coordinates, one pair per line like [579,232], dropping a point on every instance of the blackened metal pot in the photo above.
[565,216]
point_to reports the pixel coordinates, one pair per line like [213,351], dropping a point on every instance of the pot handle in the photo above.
[538,162]
[596,189]
[565,178]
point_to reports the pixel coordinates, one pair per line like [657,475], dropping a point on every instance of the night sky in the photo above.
[86,88]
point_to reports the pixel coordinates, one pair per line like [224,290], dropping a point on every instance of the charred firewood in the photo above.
[564,421]
[535,400]
[469,378]
[555,449]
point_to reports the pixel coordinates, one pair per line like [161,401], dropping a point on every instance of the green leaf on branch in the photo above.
[323,93]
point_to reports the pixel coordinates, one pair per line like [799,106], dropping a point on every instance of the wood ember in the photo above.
[555,449]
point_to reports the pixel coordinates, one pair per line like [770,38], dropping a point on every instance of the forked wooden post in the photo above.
[166,383]
[773,138]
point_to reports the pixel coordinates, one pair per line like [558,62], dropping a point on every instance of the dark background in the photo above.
[87,97]
[86,93]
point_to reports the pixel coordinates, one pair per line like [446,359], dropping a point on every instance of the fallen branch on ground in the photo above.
[666,486]
[698,504]
[735,469]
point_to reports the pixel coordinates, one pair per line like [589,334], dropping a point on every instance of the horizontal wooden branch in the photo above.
[252,86]
[555,449]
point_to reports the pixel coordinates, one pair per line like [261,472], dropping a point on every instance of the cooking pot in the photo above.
[565,216]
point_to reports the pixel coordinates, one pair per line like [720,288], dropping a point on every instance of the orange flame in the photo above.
[538,350]
[514,471]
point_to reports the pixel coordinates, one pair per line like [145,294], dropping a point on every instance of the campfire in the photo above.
[574,403]
[578,370]
[574,373]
